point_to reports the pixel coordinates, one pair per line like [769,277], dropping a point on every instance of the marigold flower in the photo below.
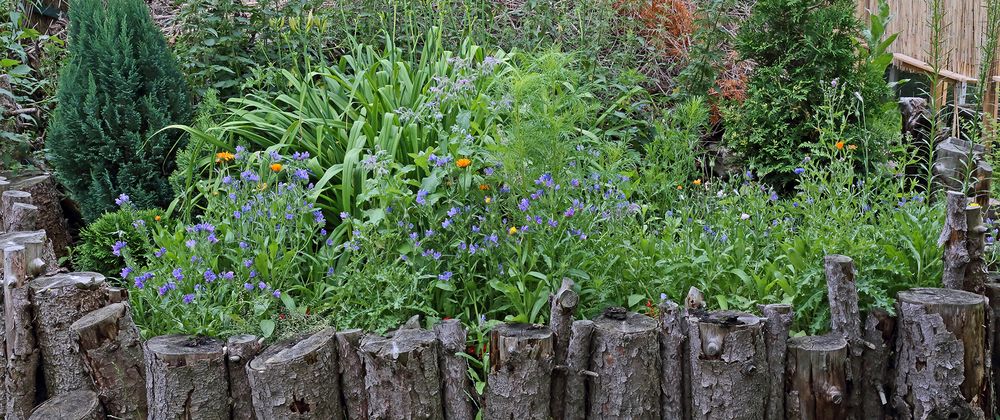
[463,162]
[484,187]
[696,182]
[680,187]
[512,230]
[224,157]
[157,218]
[840,145]
[276,167]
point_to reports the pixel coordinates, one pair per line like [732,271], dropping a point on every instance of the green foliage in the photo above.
[94,249]
[120,87]
[672,158]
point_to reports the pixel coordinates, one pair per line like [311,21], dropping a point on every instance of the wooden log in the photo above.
[954,239]
[352,374]
[60,300]
[817,378]
[975,269]
[562,307]
[625,349]
[401,375]
[74,405]
[984,181]
[520,373]
[993,338]
[577,362]
[940,357]
[297,378]
[728,366]
[673,366]
[37,248]
[951,164]
[22,350]
[22,217]
[880,329]
[845,321]
[45,195]
[240,350]
[7,200]
[109,345]
[186,378]
[454,370]
[777,320]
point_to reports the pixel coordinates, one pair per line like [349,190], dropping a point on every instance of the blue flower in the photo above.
[569,212]
[446,223]
[122,200]
[243,245]
[300,156]
[177,274]
[210,276]
[125,272]
[190,243]
[301,174]
[524,204]
[289,216]
[212,239]
[227,180]
[277,293]
[237,214]
[774,196]
[453,211]
[488,171]
[116,249]
[274,155]
[253,274]
[422,196]
[248,286]
[188,298]
[262,286]
[445,276]
[344,215]
[799,171]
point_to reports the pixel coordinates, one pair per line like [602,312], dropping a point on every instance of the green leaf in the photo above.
[266,328]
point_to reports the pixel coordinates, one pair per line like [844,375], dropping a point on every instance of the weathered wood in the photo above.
[401,375]
[562,307]
[777,320]
[954,239]
[993,341]
[22,350]
[951,164]
[297,379]
[21,217]
[984,181]
[577,362]
[352,374]
[45,195]
[74,405]
[186,378]
[240,350]
[110,348]
[520,373]
[940,355]
[817,378]
[880,328]
[7,200]
[673,366]
[975,269]
[845,320]
[454,370]
[37,249]
[728,366]
[60,300]
[625,349]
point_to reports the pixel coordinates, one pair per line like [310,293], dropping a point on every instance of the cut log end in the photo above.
[75,405]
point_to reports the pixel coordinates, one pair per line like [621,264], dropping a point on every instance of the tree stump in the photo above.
[108,343]
[60,300]
[186,378]
[46,196]
[673,368]
[625,349]
[240,350]
[37,249]
[954,239]
[352,374]
[7,201]
[880,331]
[845,320]
[577,362]
[940,357]
[73,405]
[951,164]
[817,378]
[520,373]
[728,366]
[984,181]
[21,217]
[562,307]
[454,370]
[297,379]
[975,269]
[22,349]
[401,375]
[777,320]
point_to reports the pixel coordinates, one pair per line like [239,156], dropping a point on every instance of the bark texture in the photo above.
[454,371]
[975,270]
[401,375]
[109,346]
[728,366]
[22,350]
[777,320]
[674,385]
[240,350]
[297,379]
[562,308]
[520,374]
[984,181]
[352,374]
[625,350]
[7,201]
[60,300]
[577,362]
[21,217]
[940,355]
[74,405]
[880,329]
[186,378]
[817,378]
[845,320]
[46,196]
[954,238]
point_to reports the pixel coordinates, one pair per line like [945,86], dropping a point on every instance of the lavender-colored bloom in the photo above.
[122,200]
[250,176]
[212,239]
[237,214]
[244,245]
[274,155]
[227,180]
[795,204]
[799,171]
[538,220]
[414,236]
[318,217]
[178,274]
[344,215]
[190,243]
[302,174]
[663,296]
[574,182]
[475,228]
[446,223]
[428,233]
[162,290]
[136,224]
[210,276]
[452,212]
[488,171]
[248,263]
[504,189]
[253,274]
[553,223]
[248,286]
[125,272]
[472,249]
[289,216]
[749,175]
[774,196]
[436,255]
[445,276]
[569,212]
[422,196]
[329,242]
[492,238]
[117,248]
[188,298]
[262,286]
[524,204]
[228,275]
[300,156]
[277,293]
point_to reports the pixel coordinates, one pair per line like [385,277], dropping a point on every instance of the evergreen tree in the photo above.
[119,88]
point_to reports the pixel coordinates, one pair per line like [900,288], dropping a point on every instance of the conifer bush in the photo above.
[119,88]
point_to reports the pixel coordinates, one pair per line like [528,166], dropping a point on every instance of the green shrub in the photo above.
[95,249]
[120,87]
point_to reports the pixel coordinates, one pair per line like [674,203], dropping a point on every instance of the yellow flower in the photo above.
[840,145]
[696,182]
[157,218]
[276,167]
[488,200]
[512,230]
[463,162]
[224,157]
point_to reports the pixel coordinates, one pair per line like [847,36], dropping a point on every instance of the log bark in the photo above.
[240,350]
[7,201]
[728,366]
[352,374]
[75,405]
[975,269]
[845,320]
[22,350]
[186,378]
[777,320]
[951,164]
[61,300]
[577,362]
[954,239]
[21,217]
[562,307]
[109,345]
[401,375]
[940,355]
[880,331]
[454,370]
[37,249]
[297,379]
[984,181]
[46,196]
[520,373]
[674,384]
[625,349]
[993,338]
[817,378]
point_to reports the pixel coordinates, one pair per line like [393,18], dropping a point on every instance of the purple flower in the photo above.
[243,245]
[301,174]
[553,223]
[237,214]
[159,252]
[136,224]
[453,211]
[248,286]
[253,274]
[125,272]
[163,290]
[117,248]
[178,274]
[774,196]
[422,196]
[277,293]
[318,217]
[488,171]
[300,156]
[574,182]
[569,212]
[249,175]
[188,298]
[227,180]
[344,215]
[212,239]
[446,223]
[190,243]
[289,216]
[799,171]
[248,263]
[274,155]
[210,276]
[524,204]
[445,276]
[262,286]
[228,275]
[122,200]
[414,236]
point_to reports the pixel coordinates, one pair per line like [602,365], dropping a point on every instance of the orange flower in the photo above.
[484,187]
[696,182]
[276,167]
[157,218]
[852,147]
[463,162]
[840,145]
[680,187]
[224,157]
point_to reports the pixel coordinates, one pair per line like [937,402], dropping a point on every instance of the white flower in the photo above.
[744,216]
